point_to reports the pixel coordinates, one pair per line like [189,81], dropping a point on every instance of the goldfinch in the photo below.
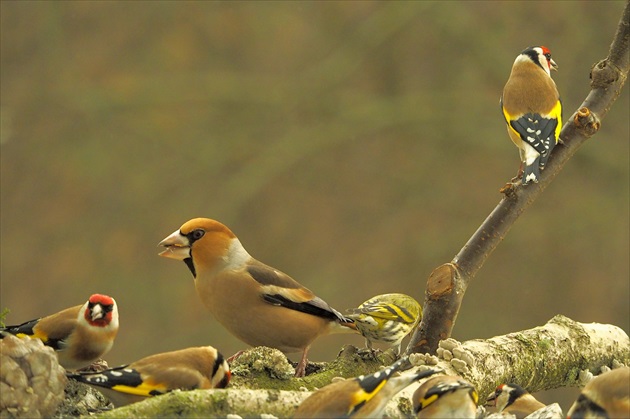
[80,335]
[386,318]
[605,396]
[256,303]
[360,397]
[445,397]
[187,369]
[514,399]
[532,110]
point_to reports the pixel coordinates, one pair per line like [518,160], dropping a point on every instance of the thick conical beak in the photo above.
[553,65]
[177,246]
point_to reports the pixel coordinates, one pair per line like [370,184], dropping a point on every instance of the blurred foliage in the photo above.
[354,145]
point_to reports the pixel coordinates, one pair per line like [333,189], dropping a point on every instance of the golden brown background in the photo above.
[354,145]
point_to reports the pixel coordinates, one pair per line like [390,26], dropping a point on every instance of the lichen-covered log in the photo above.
[31,379]
[545,357]
[214,403]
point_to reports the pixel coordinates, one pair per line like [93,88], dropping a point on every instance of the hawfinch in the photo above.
[256,303]
[80,335]
[386,318]
[187,369]
[513,399]
[360,397]
[532,110]
[605,396]
[445,397]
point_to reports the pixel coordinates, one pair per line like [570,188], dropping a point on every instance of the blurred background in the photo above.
[354,145]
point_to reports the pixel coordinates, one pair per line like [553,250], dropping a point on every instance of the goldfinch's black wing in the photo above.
[441,389]
[371,384]
[122,379]
[29,329]
[537,131]
[24,329]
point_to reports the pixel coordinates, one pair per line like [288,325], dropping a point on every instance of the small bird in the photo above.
[80,335]
[256,303]
[360,397]
[605,396]
[187,369]
[445,397]
[514,399]
[386,318]
[532,110]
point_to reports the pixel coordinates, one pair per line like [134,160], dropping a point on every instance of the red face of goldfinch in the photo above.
[100,310]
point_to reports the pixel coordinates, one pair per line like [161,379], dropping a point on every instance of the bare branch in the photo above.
[448,283]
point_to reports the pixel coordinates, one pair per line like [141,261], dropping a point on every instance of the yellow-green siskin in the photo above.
[386,318]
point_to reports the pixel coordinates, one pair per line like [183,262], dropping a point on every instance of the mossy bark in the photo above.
[545,357]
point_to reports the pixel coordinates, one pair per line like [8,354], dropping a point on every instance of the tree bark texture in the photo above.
[542,358]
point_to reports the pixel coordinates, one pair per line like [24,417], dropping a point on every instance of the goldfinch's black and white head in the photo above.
[540,56]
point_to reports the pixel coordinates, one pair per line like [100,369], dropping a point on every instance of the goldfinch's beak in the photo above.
[554,66]
[97,312]
[177,246]
[492,400]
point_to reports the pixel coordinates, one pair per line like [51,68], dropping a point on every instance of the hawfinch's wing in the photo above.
[280,289]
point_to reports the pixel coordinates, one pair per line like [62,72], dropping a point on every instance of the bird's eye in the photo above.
[548,56]
[197,234]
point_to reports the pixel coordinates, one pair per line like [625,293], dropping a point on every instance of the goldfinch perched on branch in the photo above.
[363,396]
[445,397]
[256,303]
[513,399]
[187,369]
[532,110]
[386,318]
[605,396]
[80,335]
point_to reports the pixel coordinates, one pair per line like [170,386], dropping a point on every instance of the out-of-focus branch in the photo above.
[447,283]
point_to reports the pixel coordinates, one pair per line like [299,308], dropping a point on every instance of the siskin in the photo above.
[386,318]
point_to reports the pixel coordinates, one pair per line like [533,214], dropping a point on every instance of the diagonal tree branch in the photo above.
[447,283]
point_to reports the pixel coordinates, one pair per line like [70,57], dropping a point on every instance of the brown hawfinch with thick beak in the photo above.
[445,396]
[80,335]
[361,397]
[256,303]
[532,110]
[605,396]
[187,369]
[513,399]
